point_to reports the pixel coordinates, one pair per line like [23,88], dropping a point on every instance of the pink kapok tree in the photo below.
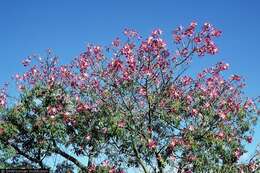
[130,104]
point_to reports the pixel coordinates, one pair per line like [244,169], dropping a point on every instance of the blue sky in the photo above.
[31,26]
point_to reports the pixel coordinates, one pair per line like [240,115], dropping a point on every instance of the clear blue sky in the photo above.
[32,26]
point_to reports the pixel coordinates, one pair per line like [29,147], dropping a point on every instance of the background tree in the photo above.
[130,104]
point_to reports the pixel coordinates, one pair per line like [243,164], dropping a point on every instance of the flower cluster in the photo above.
[202,42]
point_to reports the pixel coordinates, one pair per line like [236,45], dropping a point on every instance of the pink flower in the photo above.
[197,40]
[126,76]
[191,128]
[112,170]
[142,91]
[97,52]
[172,158]
[206,105]
[26,62]
[82,107]
[175,141]
[221,135]
[21,87]
[191,158]
[252,166]
[222,115]
[184,52]
[150,130]
[152,144]
[222,66]
[189,171]
[189,99]
[211,48]
[193,24]
[51,110]
[177,38]
[64,72]
[105,163]
[116,65]
[92,168]
[194,112]
[248,103]
[116,42]
[104,130]
[237,153]
[235,77]
[216,33]
[131,33]
[213,93]
[249,139]
[127,50]
[207,26]
[88,137]
[83,64]
[186,80]
[2,101]
[121,124]
[156,32]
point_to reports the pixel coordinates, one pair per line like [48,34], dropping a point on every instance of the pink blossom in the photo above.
[127,50]
[104,130]
[64,72]
[191,158]
[222,115]
[121,124]
[186,80]
[189,99]
[191,128]
[177,38]
[116,65]
[235,78]
[194,112]
[206,26]
[248,103]
[130,33]
[221,134]
[26,62]
[2,100]
[97,52]
[189,171]
[142,91]
[206,105]
[238,153]
[197,40]
[175,141]
[112,170]
[52,110]
[92,168]
[151,144]
[116,42]
[252,166]
[88,137]
[83,63]
[150,130]
[105,163]
[216,33]
[222,66]
[249,139]
[156,32]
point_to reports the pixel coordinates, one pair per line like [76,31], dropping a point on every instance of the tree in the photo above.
[130,104]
